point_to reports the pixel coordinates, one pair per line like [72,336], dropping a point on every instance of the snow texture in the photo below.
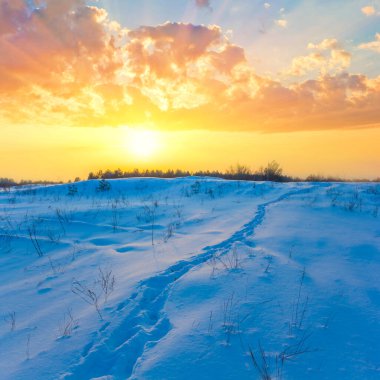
[190,278]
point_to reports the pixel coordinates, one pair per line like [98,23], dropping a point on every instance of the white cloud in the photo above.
[282,23]
[328,57]
[326,44]
[267,5]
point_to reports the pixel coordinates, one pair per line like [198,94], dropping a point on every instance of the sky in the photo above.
[190,84]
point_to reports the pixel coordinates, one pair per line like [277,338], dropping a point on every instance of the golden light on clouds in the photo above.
[68,64]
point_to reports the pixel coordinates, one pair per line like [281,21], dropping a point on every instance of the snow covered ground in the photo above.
[191,278]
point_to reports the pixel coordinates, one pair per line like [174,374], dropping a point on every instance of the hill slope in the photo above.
[190,278]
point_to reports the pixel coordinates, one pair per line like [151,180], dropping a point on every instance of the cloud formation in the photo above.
[368,10]
[203,3]
[58,46]
[68,63]
[282,23]
[327,57]
[374,45]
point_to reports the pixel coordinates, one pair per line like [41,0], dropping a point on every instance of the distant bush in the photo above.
[72,190]
[241,171]
[321,178]
[6,183]
[103,186]
[272,172]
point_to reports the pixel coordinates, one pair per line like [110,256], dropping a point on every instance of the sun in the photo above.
[143,143]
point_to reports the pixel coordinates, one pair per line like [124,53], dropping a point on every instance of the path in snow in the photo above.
[115,351]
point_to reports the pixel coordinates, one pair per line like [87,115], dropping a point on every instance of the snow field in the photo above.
[190,278]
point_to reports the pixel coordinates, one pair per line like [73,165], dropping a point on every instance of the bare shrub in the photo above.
[229,260]
[55,268]
[76,248]
[34,240]
[270,260]
[107,282]
[170,229]
[178,212]
[68,324]
[6,237]
[271,367]
[355,203]
[228,309]
[103,286]
[63,218]
[115,217]
[11,319]
[334,195]
[260,362]
[87,294]
[53,235]
[299,307]
[148,215]
[231,317]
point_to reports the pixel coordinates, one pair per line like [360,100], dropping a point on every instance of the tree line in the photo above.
[272,172]
[7,183]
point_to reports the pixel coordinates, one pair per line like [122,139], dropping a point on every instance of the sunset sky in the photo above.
[192,84]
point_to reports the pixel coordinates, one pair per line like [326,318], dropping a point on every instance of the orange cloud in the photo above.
[58,42]
[368,10]
[67,63]
[374,45]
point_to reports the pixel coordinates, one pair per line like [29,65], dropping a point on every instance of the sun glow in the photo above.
[143,143]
